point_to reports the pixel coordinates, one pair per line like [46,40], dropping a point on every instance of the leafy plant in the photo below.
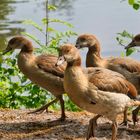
[124,38]
[134,3]
[16,90]
[69,105]
[53,37]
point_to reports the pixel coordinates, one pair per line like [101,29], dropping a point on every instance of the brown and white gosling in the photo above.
[102,91]
[128,67]
[40,69]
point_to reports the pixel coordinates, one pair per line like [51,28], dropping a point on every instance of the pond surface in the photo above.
[102,18]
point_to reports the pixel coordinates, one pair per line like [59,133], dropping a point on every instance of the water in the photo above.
[99,17]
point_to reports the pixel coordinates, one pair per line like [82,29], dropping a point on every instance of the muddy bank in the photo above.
[17,124]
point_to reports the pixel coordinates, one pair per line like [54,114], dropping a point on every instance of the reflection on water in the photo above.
[13,12]
[6,29]
[65,7]
[101,18]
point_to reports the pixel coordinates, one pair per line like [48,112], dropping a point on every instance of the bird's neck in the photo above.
[27,48]
[76,62]
[93,58]
[74,78]
[26,58]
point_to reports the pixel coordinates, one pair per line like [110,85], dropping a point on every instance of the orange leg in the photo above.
[135,115]
[92,126]
[44,107]
[63,116]
[114,130]
[125,120]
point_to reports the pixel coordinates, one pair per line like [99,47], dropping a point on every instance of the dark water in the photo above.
[100,17]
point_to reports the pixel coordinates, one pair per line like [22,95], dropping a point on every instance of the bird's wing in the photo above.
[107,80]
[47,63]
[128,64]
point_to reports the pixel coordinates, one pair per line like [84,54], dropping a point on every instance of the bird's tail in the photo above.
[134,103]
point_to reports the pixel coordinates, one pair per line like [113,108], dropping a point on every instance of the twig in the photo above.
[47,23]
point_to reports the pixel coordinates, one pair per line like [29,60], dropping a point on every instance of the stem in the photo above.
[47,23]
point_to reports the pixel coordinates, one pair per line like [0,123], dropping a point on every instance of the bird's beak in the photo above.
[77,46]
[130,45]
[60,61]
[6,50]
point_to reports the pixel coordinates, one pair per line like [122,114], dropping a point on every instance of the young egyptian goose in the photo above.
[40,69]
[128,67]
[102,91]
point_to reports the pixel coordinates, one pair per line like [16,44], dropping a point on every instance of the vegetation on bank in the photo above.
[16,90]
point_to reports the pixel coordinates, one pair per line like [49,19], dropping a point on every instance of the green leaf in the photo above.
[44,21]
[30,22]
[138,1]
[129,51]
[126,34]
[13,62]
[136,6]
[52,7]
[10,71]
[62,22]
[33,38]
[131,2]
[15,86]
[51,29]
[35,88]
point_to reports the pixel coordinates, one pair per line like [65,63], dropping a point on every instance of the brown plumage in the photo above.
[40,69]
[102,78]
[128,67]
[129,64]
[107,97]
[46,63]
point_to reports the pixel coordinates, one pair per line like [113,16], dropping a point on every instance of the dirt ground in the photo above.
[18,125]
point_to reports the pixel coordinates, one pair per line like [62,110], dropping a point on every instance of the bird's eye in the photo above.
[137,38]
[82,39]
[67,51]
[12,41]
